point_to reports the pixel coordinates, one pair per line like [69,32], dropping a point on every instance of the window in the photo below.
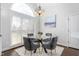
[16,23]
[25,24]
[20,26]
[16,30]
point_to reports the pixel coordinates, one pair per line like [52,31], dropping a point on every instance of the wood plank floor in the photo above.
[10,53]
[66,52]
[70,52]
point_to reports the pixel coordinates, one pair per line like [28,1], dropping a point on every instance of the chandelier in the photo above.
[39,11]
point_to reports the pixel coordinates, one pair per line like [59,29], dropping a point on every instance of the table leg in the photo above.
[35,50]
[45,50]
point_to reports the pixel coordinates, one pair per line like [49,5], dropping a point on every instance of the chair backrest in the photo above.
[54,42]
[49,35]
[27,43]
[30,35]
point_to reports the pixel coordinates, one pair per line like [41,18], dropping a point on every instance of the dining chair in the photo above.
[30,44]
[50,44]
[48,35]
[30,35]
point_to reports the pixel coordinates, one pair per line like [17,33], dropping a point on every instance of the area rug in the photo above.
[40,52]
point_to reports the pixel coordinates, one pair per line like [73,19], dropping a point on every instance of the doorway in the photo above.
[74,31]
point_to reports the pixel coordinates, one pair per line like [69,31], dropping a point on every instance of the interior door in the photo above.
[74,31]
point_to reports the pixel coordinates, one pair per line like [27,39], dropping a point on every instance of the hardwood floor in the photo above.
[10,53]
[66,52]
[70,52]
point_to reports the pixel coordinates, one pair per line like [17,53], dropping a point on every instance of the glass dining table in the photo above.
[41,44]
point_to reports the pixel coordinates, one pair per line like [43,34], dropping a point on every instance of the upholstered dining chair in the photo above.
[50,44]
[48,35]
[30,44]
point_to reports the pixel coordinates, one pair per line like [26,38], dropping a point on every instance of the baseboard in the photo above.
[67,47]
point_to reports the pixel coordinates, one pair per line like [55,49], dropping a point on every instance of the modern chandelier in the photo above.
[39,11]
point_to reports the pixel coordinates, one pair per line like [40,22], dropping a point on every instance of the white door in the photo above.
[74,31]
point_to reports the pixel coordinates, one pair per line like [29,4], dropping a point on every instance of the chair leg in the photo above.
[39,51]
[55,50]
[25,52]
[31,53]
[51,52]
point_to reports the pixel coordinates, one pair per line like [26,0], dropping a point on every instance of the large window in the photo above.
[16,23]
[16,30]
[20,25]
[19,28]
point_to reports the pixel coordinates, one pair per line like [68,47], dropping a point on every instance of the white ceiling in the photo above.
[65,8]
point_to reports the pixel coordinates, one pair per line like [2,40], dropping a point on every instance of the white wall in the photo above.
[61,22]
[62,11]
[5,25]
